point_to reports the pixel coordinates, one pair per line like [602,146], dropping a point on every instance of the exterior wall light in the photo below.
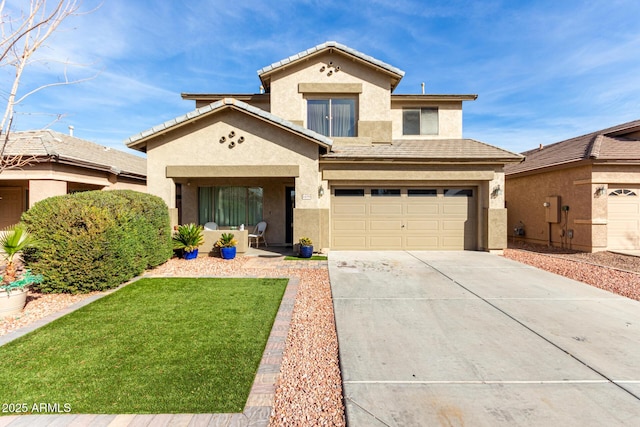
[600,191]
[497,191]
[320,191]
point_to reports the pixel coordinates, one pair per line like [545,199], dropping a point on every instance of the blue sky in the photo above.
[543,71]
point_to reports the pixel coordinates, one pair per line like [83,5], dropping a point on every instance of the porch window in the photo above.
[332,116]
[420,121]
[230,206]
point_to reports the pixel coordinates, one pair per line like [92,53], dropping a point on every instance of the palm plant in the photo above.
[188,237]
[227,240]
[305,241]
[12,242]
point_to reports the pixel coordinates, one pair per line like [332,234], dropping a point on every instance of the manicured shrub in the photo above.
[96,240]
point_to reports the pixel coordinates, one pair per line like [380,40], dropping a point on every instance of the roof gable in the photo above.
[265,73]
[139,140]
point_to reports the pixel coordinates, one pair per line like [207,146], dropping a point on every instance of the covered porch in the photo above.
[237,198]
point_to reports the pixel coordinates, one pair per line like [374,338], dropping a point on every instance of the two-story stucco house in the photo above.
[328,151]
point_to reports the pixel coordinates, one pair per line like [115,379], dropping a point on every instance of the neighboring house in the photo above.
[582,193]
[62,164]
[328,152]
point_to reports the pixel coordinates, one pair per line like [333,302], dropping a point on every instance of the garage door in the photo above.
[624,219]
[426,218]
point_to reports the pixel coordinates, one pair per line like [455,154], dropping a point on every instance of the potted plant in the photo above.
[227,245]
[306,247]
[188,238]
[13,285]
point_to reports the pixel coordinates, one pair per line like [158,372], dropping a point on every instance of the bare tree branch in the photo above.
[22,36]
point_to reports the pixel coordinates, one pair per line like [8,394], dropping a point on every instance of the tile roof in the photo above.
[436,149]
[614,143]
[331,45]
[69,149]
[135,140]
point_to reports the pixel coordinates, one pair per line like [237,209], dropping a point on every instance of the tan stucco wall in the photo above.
[41,189]
[312,223]
[287,100]
[449,119]
[525,197]
[73,174]
[497,229]
[212,236]
[264,145]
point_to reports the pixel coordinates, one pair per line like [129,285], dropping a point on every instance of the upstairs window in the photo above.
[420,121]
[332,117]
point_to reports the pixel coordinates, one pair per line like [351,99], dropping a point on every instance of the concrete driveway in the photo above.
[473,339]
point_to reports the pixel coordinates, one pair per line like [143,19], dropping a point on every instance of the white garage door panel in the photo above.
[622,211]
[455,209]
[391,242]
[422,242]
[452,241]
[403,222]
[422,226]
[420,209]
[343,225]
[623,227]
[349,209]
[386,209]
[350,242]
[385,225]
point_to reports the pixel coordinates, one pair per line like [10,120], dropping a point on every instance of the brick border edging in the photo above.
[261,397]
[257,410]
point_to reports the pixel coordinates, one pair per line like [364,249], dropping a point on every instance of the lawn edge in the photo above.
[259,405]
[13,335]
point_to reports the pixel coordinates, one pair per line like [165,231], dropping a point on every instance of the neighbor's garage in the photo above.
[623,228]
[413,218]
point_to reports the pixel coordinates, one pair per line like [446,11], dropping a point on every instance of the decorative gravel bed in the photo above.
[610,271]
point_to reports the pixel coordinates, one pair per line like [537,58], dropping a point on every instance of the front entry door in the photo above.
[290,197]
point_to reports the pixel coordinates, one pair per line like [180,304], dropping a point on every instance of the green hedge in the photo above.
[96,240]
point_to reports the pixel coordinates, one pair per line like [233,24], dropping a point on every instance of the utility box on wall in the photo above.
[552,209]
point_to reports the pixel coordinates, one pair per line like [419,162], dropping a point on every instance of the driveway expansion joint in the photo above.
[540,335]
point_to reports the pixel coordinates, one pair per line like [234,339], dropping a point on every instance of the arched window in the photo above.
[622,192]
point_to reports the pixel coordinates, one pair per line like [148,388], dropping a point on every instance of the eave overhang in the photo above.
[139,141]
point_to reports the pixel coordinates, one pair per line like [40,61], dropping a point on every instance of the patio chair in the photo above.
[211,226]
[258,233]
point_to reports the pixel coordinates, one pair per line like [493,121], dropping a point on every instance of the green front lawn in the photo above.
[155,346]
